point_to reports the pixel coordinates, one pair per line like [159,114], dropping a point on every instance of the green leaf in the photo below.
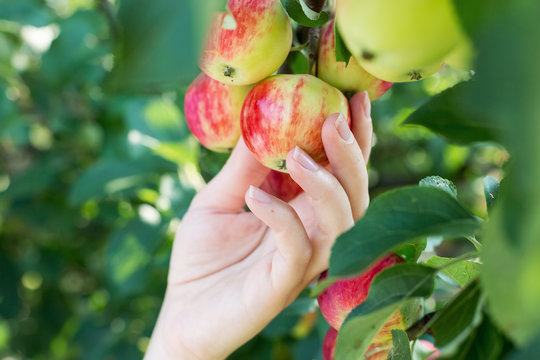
[389,289]
[485,342]
[160,44]
[453,324]
[491,190]
[401,349]
[529,351]
[340,49]
[410,252]
[440,183]
[302,14]
[461,272]
[394,218]
[130,250]
[445,114]
[211,162]
[112,176]
[298,62]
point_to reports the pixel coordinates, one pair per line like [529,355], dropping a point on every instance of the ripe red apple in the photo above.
[281,185]
[352,77]
[212,111]
[340,298]
[374,352]
[247,44]
[285,111]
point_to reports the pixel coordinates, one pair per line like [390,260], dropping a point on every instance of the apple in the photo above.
[425,347]
[398,40]
[280,185]
[340,298]
[462,57]
[346,78]
[212,112]
[374,352]
[248,43]
[284,111]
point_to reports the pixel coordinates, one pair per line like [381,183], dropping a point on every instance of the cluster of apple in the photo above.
[238,94]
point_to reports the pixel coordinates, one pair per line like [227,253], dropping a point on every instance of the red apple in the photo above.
[285,111]
[352,77]
[374,352]
[212,111]
[340,298]
[281,186]
[247,44]
[428,348]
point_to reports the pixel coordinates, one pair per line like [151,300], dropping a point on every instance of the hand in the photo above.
[233,271]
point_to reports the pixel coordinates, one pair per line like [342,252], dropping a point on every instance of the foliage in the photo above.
[97,168]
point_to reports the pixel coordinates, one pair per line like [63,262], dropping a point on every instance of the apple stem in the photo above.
[313,36]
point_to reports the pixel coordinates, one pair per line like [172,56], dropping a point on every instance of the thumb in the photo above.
[228,188]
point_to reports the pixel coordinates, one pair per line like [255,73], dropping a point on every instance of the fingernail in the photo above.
[304,159]
[343,129]
[259,195]
[367,105]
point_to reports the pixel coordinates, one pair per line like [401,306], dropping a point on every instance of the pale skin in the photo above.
[233,271]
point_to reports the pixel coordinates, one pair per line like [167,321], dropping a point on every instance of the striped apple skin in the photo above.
[280,185]
[284,111]
[212,112]
[248,43]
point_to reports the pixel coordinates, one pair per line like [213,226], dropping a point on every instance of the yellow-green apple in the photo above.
[398,40]
[212,111]
[340,298]
[280,185]
[248,43]
[462,57]
[285,111]
[374,352]
[351,77]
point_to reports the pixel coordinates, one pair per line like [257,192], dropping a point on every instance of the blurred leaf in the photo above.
[130,250]
[401,349]
[342,53]
[452,324]
[511,252]
[440,183]
[394,218]
[210,162]
[485,342]
[28,12]
[160,43]
[82,37]
[461,272]
[303,15]
[491,190]
[445,114]
[529,351]
[9,282]
[298,62]
[112,176]
[388,290]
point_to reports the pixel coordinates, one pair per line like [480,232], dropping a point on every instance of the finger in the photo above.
[330,203]
[362,125]
[293,245]
[227,189]
[347,162]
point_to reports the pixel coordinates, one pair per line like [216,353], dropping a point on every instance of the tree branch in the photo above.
[419,328]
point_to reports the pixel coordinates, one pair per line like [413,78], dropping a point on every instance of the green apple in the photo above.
[247,44]
[351,77]
[399,40]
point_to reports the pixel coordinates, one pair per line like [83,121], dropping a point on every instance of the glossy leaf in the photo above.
[302,14]
[458,318]
[395,218]
[491,190]
[440,183]
[461,272]
[401,349]
[342,53]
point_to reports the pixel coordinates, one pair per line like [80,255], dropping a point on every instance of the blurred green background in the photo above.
[97,167]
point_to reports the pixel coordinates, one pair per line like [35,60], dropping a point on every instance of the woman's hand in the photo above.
[233,271]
